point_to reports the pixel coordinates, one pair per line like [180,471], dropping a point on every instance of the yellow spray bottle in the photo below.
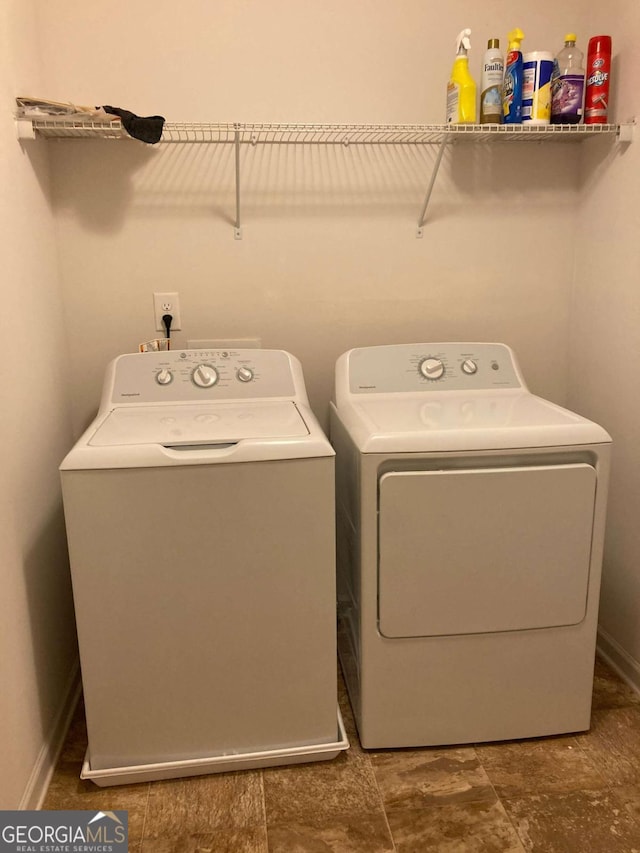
[461,89]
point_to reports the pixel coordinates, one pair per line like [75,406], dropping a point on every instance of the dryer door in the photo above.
[484,550]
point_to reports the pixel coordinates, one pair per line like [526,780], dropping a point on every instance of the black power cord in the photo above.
[167,319]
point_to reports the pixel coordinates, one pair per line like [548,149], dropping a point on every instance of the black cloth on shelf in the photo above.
[146,128]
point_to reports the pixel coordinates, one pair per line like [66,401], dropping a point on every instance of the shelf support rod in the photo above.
[237,229]
[434,174]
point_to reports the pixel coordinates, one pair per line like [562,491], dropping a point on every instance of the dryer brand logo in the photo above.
[63,832]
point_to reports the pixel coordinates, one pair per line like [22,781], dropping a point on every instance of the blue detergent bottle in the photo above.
[512,86]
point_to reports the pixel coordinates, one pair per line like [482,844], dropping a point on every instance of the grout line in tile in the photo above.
[510,819]
[486,773]
[499,799]
[443,804]
[146,813]
[590,760]
[264,809]
[382,805]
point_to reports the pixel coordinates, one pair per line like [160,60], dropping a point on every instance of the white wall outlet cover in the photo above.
[166,303]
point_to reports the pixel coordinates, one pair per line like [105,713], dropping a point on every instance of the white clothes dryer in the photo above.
[200,518]
[470,533]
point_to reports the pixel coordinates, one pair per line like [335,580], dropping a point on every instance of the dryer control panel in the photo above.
[199,375]
[428,367]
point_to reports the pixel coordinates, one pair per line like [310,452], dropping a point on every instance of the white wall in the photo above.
[605,341]
[329,258]
[37,637]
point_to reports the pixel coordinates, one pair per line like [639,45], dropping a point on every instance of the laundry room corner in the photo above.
[38,653]
[605,347]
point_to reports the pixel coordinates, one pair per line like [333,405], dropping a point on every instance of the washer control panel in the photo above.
[432,367]
[194,375]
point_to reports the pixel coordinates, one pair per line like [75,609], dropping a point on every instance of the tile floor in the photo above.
[570,794]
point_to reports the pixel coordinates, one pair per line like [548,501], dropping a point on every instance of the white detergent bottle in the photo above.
[491,88]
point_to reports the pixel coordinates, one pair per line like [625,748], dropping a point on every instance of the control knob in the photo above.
[432,368]
[164,376]
[204,376]
[244,374]
[469,366]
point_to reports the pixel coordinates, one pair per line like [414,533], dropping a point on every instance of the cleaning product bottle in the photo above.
[512,86]
[567,84]
[461,89]
[596,98]
[537,72]
[491,88]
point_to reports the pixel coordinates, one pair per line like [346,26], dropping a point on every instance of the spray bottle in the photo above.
[461,89]
[598,79]
[512,86]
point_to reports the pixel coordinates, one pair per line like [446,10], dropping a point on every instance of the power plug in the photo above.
[166,303]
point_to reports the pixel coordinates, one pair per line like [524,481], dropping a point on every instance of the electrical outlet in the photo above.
[166,303]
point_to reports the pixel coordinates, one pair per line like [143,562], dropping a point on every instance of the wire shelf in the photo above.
[330,134]
[239,134]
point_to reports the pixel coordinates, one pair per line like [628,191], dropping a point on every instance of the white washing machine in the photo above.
[470,532]
[200,518]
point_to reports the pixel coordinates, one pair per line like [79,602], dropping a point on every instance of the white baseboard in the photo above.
[627,667]
[42,772]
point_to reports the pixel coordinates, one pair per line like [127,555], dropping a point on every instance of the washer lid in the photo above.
[199,424]
[464,421]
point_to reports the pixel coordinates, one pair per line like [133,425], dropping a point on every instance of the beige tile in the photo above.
[349,834]
[609,690]
[577,822]
[629,798]
[326,789]
[201,805]
[251,840]
[478,827]
[68,791]
[416,778]
[613,744]
[544,765]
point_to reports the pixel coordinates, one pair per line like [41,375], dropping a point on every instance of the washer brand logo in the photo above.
[63,832]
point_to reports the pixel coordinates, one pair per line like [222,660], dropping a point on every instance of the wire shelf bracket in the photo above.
[237,228]
[427,198]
